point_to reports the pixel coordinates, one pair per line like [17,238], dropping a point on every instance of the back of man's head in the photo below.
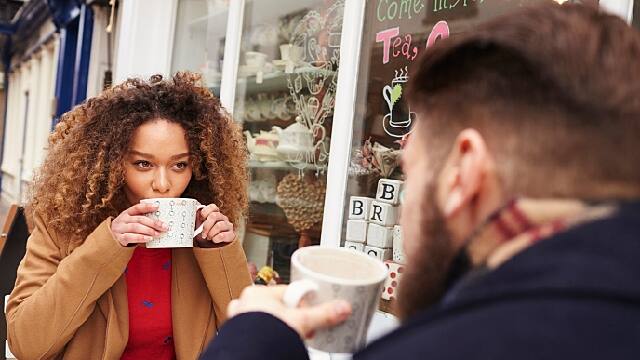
[555,92]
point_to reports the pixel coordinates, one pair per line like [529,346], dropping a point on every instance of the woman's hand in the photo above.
[217,229]
[132,227]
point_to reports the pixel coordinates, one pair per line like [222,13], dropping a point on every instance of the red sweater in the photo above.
[149,295]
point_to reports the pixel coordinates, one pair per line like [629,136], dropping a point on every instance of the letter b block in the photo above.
[359,207]
[389,191]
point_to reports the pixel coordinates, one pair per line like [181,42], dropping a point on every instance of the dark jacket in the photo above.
[573,296]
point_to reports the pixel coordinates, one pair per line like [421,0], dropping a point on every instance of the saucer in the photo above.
[250,70]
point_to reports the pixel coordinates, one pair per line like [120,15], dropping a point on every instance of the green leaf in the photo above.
[396,93]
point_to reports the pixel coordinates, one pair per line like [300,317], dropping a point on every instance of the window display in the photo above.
[284,99]
[199,39]
[395,33]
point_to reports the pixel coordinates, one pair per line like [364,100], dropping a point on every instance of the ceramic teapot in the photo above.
[251,141]
[264,144]
[295,139]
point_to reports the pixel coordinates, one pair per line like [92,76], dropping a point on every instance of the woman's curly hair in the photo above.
[81,180]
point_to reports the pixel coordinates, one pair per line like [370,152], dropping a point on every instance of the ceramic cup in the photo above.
[179,214]
[321,274]
[255,58]
[265,105]
[290,52]
[252,110]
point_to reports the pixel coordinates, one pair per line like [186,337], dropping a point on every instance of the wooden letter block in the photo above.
[357,230]
[389,191]
[378,253]
[398,249]
[359,207]
[390,287]
[354,245]
[379,236]
[383,214]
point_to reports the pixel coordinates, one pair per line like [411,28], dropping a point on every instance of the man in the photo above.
[522,220]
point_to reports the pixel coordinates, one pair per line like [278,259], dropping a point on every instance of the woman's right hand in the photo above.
[132,227]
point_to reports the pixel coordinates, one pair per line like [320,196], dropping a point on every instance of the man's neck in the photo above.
[523,221]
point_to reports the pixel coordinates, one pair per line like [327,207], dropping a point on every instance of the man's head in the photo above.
[544,103]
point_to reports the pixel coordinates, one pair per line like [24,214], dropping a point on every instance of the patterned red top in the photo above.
[149,295]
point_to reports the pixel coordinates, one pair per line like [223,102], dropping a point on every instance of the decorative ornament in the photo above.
[302,200]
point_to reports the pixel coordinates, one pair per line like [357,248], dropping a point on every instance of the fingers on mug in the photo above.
[299,290]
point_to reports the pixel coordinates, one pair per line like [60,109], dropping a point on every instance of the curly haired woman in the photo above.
[87,287]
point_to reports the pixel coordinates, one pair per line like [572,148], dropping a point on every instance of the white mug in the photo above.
[179,214]
[289,52]
[321,274]
[255,58]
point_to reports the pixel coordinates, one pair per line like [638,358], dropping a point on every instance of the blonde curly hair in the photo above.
[82,177]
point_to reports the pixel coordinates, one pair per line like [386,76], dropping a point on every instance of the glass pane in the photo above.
[285,95]
[201,26]
[395,33]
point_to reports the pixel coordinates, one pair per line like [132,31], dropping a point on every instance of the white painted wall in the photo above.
[99,59]
[145,38]
[27,129]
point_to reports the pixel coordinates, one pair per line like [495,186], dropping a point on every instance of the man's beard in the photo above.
[429,269]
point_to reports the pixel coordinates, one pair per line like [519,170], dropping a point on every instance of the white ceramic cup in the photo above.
[179,214]
[289,52]
[321,274]
[255,58]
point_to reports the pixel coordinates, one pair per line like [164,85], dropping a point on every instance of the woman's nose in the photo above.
[161,182]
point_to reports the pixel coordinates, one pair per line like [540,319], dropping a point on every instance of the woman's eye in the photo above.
[181,165]
[143,164]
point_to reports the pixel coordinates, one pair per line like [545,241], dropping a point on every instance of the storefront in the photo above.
[58,55]
[318,88]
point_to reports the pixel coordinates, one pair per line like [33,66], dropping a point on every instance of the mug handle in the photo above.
[298,290]
[198,231]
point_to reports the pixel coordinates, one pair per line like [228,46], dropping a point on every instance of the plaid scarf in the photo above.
[523,222]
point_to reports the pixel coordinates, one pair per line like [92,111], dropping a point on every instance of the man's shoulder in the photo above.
[575,295]
[527,328]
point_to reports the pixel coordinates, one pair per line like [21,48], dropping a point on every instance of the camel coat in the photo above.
[71,303]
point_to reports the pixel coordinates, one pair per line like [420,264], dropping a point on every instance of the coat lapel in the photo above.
[114,306]
[190,304]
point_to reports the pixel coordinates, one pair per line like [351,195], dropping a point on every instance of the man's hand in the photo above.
[305,320]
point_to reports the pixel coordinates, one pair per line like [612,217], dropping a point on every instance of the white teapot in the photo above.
[296,139]
[251,141]
[265,144]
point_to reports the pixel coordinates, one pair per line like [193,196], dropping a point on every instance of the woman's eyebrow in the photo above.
[180,155]
[151,156]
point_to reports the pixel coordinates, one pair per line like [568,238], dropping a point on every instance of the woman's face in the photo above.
[157,164]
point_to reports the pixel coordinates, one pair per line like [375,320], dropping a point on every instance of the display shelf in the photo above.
[280,165]
[271,82]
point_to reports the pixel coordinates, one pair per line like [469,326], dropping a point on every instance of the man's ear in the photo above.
[463,174]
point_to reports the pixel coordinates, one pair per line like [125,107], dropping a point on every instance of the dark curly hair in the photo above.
[81,181]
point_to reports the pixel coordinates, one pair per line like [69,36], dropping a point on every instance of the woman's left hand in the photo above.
[217,229]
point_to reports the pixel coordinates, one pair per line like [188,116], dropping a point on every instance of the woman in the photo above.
[87,287]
